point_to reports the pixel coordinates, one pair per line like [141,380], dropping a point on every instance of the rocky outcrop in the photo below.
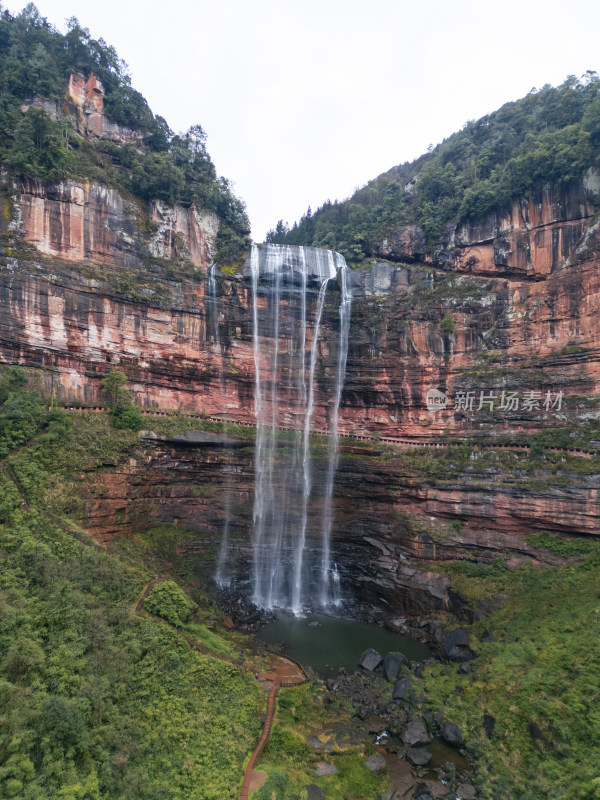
[84,97]
[86,222]
[534,237]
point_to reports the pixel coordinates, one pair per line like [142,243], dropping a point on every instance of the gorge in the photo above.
[198,433]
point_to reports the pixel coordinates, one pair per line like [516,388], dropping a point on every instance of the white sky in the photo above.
[305,100]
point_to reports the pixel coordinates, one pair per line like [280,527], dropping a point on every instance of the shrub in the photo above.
[126,416]
[166,600]
[447,325]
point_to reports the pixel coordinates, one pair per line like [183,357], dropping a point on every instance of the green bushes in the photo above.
[166,600]
[447,325]
[22,413]
[97,703]
[541,668]
[560,546]
[126,416]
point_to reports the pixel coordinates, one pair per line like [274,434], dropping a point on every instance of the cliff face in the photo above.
[536,237]
[79,222]
[511,306]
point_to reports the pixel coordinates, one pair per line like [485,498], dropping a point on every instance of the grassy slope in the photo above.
[540,670]
[96,702]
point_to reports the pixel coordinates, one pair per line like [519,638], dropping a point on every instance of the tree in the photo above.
[113,385]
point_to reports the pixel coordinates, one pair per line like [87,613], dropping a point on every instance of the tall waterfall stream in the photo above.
[290,289]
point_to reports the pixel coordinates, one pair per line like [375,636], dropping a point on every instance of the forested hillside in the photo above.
[549,136]
[36,61]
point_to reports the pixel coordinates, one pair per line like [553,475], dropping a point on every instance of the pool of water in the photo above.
[335,643]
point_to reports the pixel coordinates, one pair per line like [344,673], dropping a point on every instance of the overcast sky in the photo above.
[305,100]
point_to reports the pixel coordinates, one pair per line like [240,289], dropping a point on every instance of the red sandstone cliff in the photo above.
[541,335]
[84,285]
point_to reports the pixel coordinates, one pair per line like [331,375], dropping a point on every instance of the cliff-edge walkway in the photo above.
[401,444]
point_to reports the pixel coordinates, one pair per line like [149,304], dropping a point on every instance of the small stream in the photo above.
[327,643]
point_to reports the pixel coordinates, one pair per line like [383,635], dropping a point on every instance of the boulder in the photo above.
[422,792]
[402,688]
[451,733]
[418,756]
[370,659]
[466,791]
[391,665]
[323,768]
[535,730]
[489,723]
[314,792]
[416,667]
[416,733]
[375,762]
[456,646]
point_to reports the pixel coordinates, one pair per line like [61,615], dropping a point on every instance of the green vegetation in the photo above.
[21,412]
[96,702]
[35,62]
[438,465]
[537,678]
[549,136]
[560,546]
[447,325]
[166,600]
[123,414]
[290,762]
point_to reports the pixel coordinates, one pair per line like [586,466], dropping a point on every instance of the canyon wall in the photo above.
[509,309]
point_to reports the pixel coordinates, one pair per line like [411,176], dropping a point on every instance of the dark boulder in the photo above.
[416,667]
[416,733]
[456,646]
[418,756]
[402,688]
[370,659]
[422,792]
[489,723]
[466,791]
[314,792]
[535,730]
[391,665]
[451,733]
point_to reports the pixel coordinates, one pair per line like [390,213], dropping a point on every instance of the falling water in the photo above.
[326,571]
[222,574]
[285,364]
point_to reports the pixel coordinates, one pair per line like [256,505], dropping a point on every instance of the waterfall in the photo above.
[326,571]
[286,354]
[222,573]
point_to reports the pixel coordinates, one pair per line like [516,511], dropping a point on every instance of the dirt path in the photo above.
[282,672]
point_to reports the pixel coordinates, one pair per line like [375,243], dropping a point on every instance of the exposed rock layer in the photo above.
[525,319]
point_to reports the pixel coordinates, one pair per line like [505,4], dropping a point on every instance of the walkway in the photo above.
[282,672]
[401,444]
